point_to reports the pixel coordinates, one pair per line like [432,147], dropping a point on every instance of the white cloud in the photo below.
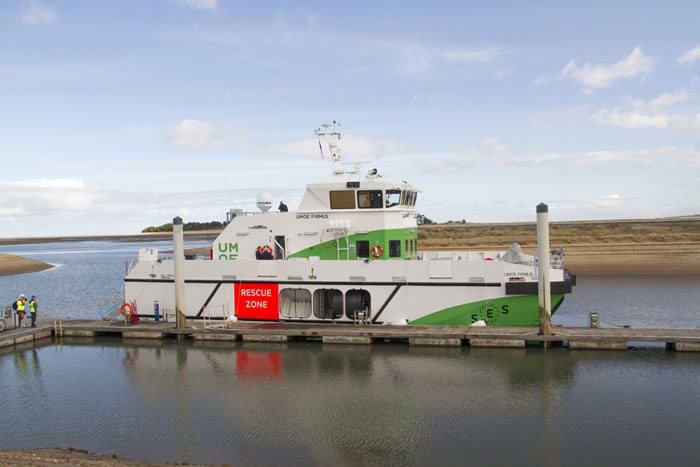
[665,157]
[645,114]
[416,57]
[610,201]
[632,119]
[669,99]
[596,76]
[200,135]
[64,207]
[50,183]
[691,125]
[212,5]
[354,147]
[37,12]
[486,54]
[495,152]
[690,56]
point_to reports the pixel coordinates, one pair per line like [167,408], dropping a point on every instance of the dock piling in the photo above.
[179,254]
[543,265]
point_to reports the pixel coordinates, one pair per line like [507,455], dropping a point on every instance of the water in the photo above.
[84,273]
[658,301]
[309,403]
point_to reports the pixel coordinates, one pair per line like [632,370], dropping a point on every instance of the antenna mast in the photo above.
[329,131]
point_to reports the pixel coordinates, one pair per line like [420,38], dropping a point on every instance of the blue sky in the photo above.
[116,115]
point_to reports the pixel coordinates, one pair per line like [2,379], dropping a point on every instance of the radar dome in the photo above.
[264,201]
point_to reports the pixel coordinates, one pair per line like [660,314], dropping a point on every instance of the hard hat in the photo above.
[33,296]
[22,296]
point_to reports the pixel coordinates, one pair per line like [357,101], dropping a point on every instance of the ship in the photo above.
[348,254]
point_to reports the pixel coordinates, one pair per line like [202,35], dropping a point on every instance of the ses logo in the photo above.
[228,250]
[490,313]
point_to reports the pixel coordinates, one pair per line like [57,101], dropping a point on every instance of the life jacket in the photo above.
[32,306]
[20,305]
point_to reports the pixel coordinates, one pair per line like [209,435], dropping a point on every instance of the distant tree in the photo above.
[189,226]
[421,219]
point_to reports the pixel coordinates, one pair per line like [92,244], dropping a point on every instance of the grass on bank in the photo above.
[467,232]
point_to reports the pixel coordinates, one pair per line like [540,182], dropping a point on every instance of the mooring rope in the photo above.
[113,299]
[599,319]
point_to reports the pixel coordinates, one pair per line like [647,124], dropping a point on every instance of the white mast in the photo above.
[331,130]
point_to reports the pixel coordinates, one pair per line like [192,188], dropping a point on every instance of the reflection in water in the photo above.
[258,365]
[306,403]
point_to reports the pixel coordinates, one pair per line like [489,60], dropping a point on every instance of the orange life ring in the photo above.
[129,313]
[265,248]
[377,251]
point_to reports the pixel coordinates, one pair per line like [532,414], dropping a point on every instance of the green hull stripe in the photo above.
[329,250]
[518,310]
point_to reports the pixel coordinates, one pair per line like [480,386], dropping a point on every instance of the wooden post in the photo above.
[543,268]
[179,254]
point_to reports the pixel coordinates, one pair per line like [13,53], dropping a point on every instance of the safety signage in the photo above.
[257,301]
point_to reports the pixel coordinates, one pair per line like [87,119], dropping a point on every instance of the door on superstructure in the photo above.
[280,247]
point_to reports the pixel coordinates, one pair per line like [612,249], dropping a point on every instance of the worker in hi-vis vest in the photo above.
[33,307]
[19,306]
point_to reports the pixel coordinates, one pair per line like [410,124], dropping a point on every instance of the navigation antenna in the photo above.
[329,131]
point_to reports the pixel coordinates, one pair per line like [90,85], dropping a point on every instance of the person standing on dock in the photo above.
[19,307]
[33,307]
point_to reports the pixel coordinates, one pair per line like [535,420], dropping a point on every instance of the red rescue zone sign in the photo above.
[257,301]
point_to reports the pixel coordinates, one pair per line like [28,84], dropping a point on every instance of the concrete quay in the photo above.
[18,336]
[682,340]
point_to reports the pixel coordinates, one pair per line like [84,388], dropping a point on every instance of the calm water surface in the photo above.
[84,273]
[309,403]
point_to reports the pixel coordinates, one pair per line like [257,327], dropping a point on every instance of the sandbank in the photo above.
[13,264]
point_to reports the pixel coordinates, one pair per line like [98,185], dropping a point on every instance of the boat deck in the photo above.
[475,336]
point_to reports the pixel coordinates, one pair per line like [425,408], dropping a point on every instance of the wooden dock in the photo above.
[450,336]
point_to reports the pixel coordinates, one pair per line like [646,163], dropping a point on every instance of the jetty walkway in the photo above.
[448,336]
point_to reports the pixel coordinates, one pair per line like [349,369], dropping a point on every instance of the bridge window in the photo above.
[393,198]
[394,248]
[343,199]
[370,199]
[295,303]
[328,304]
[357,300]
[362,248]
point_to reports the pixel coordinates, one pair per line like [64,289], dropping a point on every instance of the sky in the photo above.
[120,114]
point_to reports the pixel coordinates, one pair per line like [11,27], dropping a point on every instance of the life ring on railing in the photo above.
[266,248]
[126,314]
[377,251]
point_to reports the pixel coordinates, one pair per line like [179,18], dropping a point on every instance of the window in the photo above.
[393,198]
[394,248]
[415,197]
[369,199]
[328,304]
[362,248]
[403,197]
[407,247]
[357,300]
[344,199]
[295,303]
